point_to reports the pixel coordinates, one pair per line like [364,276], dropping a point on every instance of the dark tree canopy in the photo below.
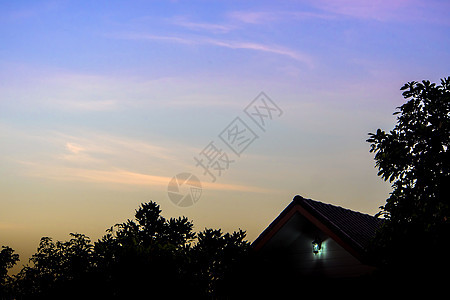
[415,157]
[7,260]
[149,255]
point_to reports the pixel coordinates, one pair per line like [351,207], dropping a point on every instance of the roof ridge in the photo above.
[337,206]
[302,200]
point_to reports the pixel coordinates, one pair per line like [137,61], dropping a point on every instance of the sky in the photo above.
[102,103]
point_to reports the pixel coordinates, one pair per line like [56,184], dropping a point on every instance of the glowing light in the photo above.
[317,245]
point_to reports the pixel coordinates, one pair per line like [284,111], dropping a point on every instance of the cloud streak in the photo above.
[99,158]
[265,17]
[48,89]
[122,177]
[264,48]
[388,10]
[202,26]
[230,44]
[379,10]
[74,148]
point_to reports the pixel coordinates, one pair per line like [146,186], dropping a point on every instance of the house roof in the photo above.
[352,230]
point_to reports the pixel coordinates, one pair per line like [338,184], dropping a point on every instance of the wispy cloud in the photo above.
[83,148]
[379,10]
[235,187]
[122,177]
[113,175]
[231,44]
[266,17]
[75,149]
[94,157]
[253,17]
[48,89]
[388,10]
[90,105]
[117,149]
[145,36]
[202,26]
[60,89]
[306,59]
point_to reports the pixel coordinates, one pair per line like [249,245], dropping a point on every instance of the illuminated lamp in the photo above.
[316,245]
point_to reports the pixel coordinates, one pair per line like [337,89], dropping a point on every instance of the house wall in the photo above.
[291,249]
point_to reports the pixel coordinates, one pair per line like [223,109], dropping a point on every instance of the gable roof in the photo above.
[352,230]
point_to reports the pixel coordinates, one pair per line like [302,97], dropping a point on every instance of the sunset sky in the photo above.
[103,102]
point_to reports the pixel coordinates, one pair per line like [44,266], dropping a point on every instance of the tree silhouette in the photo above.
[149,255]
[415,157]
[146,252]
[55,266]
[7,260]
[215,260]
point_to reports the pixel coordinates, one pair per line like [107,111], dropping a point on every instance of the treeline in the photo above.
[149,255]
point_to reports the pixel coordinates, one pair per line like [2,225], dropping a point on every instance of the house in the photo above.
[310,238]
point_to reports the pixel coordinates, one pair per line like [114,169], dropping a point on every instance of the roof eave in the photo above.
[297,206]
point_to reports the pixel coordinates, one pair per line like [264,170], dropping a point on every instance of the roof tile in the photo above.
[354,227]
